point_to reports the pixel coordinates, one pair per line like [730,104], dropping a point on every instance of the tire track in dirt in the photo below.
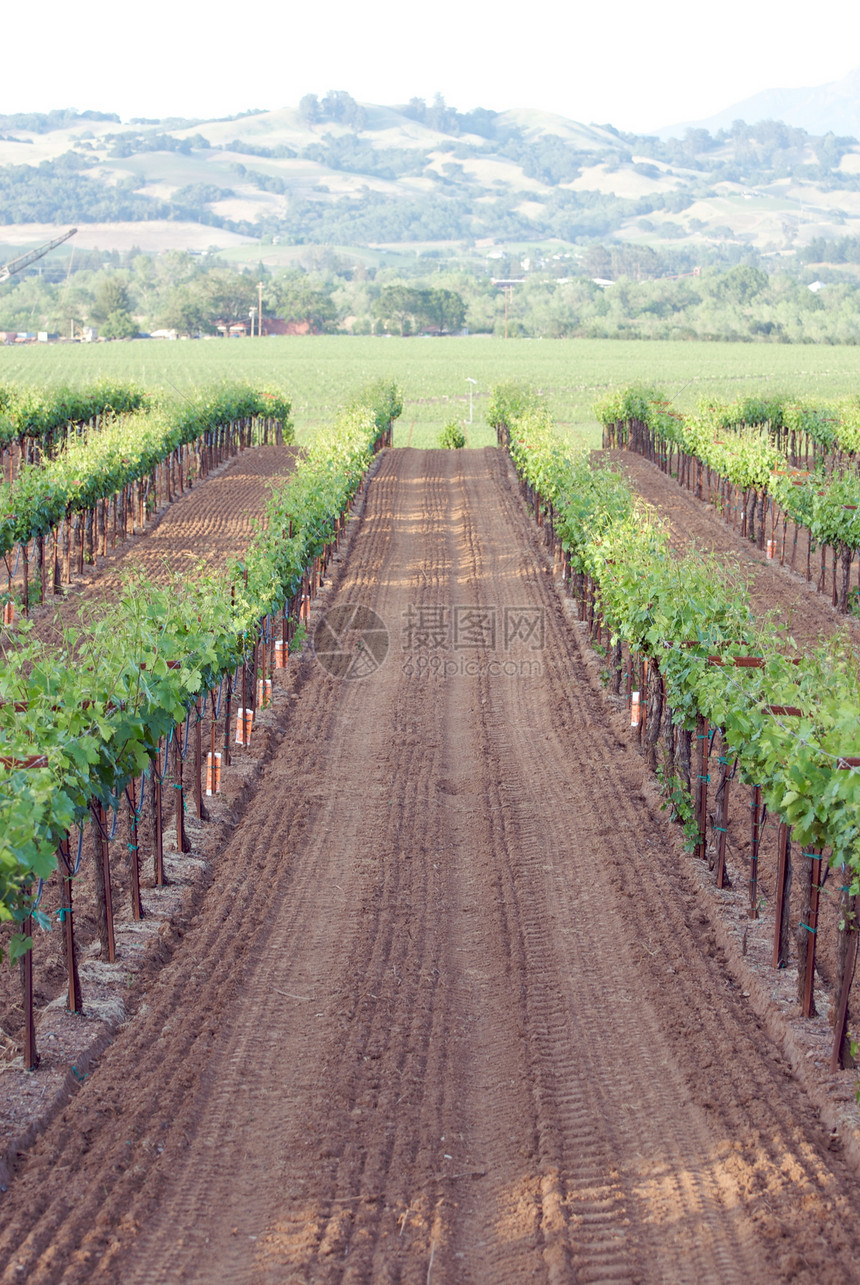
[696,1005]
[450,1011]
[773,588]
[587,1206]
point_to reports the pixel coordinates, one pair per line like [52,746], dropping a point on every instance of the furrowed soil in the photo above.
[199,533]
[452,1010]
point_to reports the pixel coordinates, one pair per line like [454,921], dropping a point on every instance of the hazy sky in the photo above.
[636,65]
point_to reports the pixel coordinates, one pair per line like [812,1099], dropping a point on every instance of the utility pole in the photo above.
[260,309]
[507,284]
[471,383]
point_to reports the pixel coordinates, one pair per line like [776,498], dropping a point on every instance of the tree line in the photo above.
[608,291]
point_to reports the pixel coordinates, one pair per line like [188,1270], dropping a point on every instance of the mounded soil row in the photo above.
[453,1009]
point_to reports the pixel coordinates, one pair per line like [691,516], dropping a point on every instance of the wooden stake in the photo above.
[702,789]
[65,868]
[106,891]
[841,1055]
[31,1057]
[722,881]
[783,897]
[755,840]
[182,843]
[809,926]
[160,881]
[136,903]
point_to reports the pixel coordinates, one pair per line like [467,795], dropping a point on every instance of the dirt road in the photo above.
[451,1011]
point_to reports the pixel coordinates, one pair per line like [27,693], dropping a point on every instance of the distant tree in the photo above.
[195,195]
[341,107]
[416,109]
[186,310]
[445,308]
[480,121]
[143,277]
[111,297]
[550,160]
[227,296]
[636,261]
[699,140]
[309,109]
[441,117]
[743,283]
[407,308]
[119,325]
[597,262]
[299,299]
[395,305]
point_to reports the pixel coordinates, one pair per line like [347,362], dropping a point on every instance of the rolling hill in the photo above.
[339,173]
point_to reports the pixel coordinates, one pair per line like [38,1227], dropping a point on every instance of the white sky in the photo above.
[637,65]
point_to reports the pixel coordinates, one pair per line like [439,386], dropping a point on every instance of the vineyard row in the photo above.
[715,697]
[82,737]
[102,485]
[748,476]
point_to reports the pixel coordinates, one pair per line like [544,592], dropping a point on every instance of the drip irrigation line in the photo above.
[97,821]
[183,753]
[162,771]
[80,853]
[220,697]
[137,812]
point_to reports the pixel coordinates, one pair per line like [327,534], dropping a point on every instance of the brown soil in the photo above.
[208,527]
[454,1008]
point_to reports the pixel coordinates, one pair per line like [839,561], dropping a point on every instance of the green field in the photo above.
[320,372]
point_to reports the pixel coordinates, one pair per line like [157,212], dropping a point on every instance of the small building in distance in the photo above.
[275,326]
[232,329]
